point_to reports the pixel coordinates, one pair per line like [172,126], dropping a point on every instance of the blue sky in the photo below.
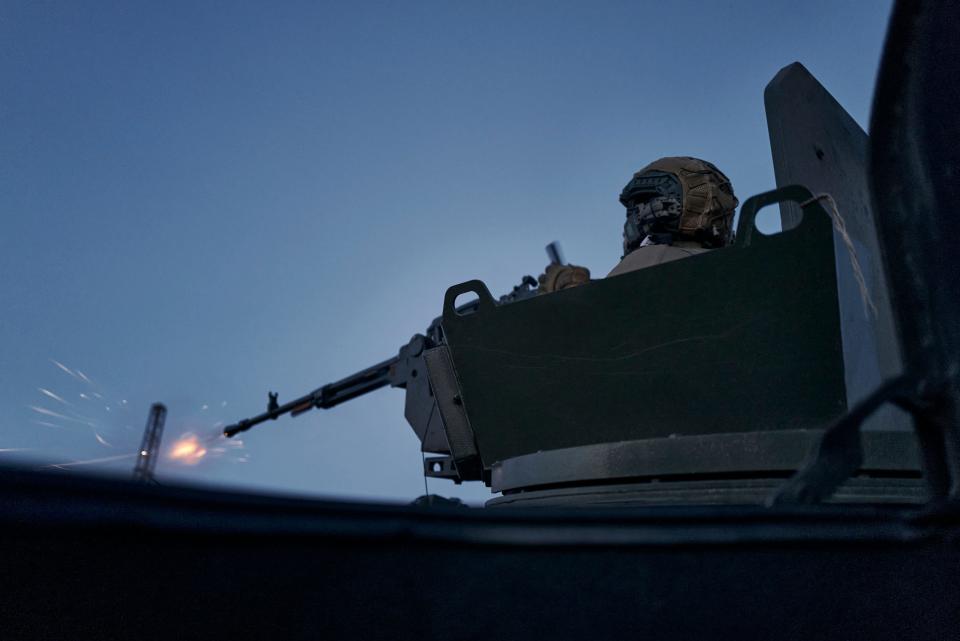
[205,201]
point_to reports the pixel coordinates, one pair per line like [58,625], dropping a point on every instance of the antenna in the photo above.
[150,446]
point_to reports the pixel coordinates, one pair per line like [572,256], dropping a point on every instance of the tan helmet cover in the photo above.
[708,199]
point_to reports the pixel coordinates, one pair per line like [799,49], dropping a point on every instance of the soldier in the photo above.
[676,207]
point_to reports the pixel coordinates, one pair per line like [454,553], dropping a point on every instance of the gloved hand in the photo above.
[557,277]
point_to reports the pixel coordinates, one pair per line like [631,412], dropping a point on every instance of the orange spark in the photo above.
[188,450]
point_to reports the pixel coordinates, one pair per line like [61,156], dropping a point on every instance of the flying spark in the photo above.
[48,424]
[50,394]
[76,419]
[84,377]
[63,367]
[101,440]
[46,412]
[92,461]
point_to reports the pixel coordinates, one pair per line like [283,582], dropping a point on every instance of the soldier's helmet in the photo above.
[678,198]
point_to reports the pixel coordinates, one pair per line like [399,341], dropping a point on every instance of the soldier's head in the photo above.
[678,199]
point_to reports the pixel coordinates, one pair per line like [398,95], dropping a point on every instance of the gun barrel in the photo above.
[357,384]
[324,397]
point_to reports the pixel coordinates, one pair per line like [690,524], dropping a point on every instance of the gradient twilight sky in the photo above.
[204,201]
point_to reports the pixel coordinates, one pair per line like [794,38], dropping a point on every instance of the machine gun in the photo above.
[407,370]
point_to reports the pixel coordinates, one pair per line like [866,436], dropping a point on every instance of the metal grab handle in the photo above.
[747,232]
[485,301]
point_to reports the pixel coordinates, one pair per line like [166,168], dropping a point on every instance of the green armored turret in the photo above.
[704,380]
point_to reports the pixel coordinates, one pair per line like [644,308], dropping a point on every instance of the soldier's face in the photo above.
[649,214]
[633,234]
